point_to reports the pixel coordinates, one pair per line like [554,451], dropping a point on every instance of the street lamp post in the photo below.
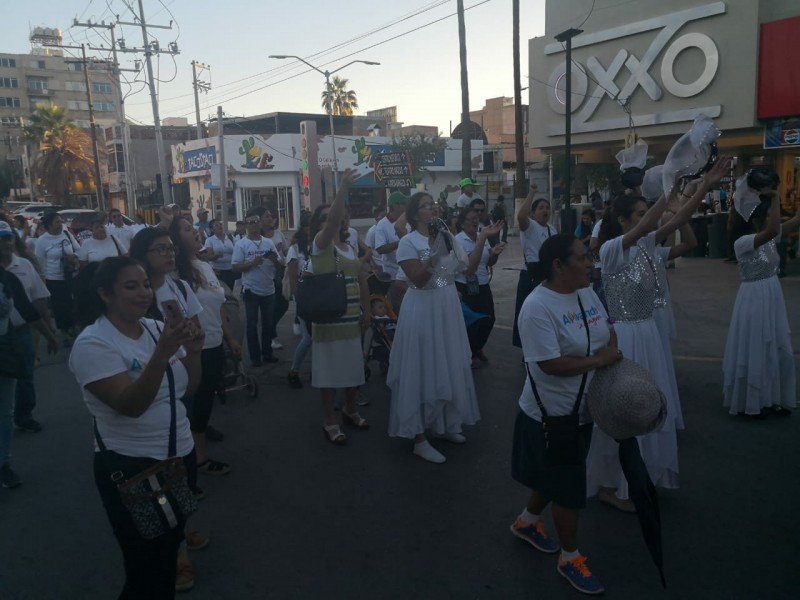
[327,75]
[567,222]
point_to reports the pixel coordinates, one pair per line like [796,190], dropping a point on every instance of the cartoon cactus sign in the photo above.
[254,156]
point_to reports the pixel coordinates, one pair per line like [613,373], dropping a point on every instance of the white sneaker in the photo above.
[276,345]
[453,438]
[427,452]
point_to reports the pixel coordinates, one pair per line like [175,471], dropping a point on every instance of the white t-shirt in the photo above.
[482,273]
[211,297]
[295,254]
[550,326]
[352,239]
[411,245]
[613,258]
[259,280]
[137,227]
[93,250]
[224,247]
[280,241]
[50,249]
[35,288]
[533,238]
[386,234]
[464,200]
[123,234]
[595,235]
[169,290]
[102,351]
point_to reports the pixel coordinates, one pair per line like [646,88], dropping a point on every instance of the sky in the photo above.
[419,71]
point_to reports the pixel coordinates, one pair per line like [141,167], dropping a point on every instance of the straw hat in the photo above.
[625,401]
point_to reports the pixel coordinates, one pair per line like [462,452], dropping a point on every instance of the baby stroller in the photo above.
[234,377]
[379,338]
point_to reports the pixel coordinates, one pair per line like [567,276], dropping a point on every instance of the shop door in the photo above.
[286,217]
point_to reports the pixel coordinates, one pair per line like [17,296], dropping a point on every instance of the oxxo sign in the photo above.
[593,82]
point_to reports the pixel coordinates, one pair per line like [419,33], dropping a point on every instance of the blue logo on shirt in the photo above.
[136,365]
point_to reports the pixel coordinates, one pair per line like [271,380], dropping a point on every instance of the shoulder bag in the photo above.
[563,444]
[68,261]
[159,498]
[322,298]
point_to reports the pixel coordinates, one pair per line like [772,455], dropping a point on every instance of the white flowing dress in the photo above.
[665,321]
[430,374]
[630,282]
[758,367]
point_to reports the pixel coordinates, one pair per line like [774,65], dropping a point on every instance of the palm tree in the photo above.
[63,155]
[337,99]
[466,138]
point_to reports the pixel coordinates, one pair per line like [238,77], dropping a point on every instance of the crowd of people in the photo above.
[143,311]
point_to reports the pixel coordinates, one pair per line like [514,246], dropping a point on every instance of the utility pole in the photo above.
[98,182]
[466,126]
[223,183]
[130,177]
[199,86]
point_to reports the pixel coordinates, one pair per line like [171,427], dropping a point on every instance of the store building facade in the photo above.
[647,68]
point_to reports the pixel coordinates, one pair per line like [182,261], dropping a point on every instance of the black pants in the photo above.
[478,332]
[253,304]
[212,363]
[228,277]
[525,286]
[281,303]
[150,565]
[61,302]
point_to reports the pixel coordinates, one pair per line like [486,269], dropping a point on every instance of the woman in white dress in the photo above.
[430,372]
[758,366]
[534,229]
[627,254]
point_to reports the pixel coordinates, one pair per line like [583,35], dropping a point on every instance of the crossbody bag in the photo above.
[322,298]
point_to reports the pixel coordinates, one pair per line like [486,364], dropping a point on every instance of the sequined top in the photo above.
[661,278]
[415,245]
[631,291]
[761,263]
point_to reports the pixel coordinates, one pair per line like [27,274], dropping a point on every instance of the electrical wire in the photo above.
[591,10]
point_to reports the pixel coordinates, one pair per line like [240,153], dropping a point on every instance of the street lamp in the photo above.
[567,222]
[330,91]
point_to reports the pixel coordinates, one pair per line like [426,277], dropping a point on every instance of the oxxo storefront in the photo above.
[265,170]
[649,67]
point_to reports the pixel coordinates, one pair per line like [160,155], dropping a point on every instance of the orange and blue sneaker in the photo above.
[579,576]
[535,535]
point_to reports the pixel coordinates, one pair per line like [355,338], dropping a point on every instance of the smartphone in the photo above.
[172,311]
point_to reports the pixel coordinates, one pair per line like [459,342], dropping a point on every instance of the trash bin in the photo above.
[718,236]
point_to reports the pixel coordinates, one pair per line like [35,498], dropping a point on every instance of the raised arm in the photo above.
[792,224]
[523,214]
[773,225]
[333,223]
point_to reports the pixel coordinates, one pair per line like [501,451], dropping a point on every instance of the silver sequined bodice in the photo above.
[661,278]
[762,263]
[631,293]
[441,276]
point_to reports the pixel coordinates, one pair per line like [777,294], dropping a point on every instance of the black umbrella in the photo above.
[643,495]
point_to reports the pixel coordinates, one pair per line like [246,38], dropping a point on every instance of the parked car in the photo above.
[34,212]
[79,221]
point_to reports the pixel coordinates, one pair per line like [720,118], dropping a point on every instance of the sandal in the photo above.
[781,411]
[355,419]
[214,467]
[334,434]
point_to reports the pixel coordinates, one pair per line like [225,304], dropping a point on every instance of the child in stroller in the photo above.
[378,338]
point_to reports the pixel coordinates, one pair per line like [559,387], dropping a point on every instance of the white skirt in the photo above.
[641,343]
[758,367]
[430,372]
[338,364]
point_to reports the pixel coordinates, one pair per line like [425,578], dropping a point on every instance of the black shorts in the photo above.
[566,486]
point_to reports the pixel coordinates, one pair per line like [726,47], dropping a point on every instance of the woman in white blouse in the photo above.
[56,252]
[218,249]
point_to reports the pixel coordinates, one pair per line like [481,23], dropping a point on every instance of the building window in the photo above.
[74,86]
[102,88]
[104,106]
[77,105]
[39,101]
[75,66]
[9,82]
[37,85]
[9,102]
[8,62]
[9,121]
[37,64]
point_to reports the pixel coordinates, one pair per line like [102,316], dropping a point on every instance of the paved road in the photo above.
[298,518]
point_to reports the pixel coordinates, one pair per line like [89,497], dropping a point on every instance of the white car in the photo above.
[36,210]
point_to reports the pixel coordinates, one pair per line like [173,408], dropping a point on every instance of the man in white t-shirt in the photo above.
[386,238]
[256,258]
[35,289]
[468,192]
[378,213]
[116,227]
[271,231]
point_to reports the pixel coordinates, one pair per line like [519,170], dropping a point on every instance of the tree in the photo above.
[337,99]
[466,141]
[63,157]
[421,148]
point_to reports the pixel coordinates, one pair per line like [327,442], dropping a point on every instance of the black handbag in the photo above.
[322,298]
[69,263]
[473,287]
[14,363]
[563,443]
[159,498]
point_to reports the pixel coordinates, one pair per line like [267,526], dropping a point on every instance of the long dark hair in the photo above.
[556,247]
[183,258]
[140,244]
[462,216]
[301,236]
[315,226]
[621,207]
[97,276]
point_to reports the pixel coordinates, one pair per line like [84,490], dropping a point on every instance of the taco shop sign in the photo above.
[194,162]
